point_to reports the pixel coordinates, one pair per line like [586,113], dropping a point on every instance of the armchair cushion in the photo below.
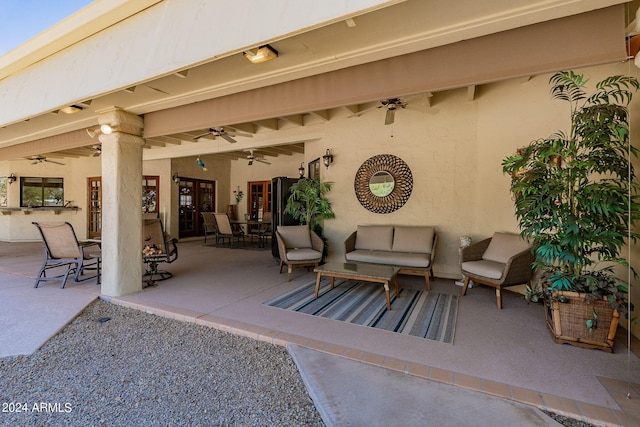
[503,246]
[413,239]
[295,236]
[374,237]
[303,254]
[484,268]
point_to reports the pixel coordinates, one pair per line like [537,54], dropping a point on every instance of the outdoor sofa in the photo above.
[411,248]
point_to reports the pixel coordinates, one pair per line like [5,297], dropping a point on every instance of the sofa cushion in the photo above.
[503,246]
[484,268]
[303,254]
[400,259]
[295,236]
[374,237]
[413,239]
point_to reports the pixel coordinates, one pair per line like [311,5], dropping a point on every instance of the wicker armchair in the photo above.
[500,261]
[298,246]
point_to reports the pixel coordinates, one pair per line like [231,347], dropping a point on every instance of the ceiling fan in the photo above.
[251,157]
[97,150]
[391,104]
[224,134]
[39,159]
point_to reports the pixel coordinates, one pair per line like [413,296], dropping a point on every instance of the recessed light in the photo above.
[261,54]
[71,109]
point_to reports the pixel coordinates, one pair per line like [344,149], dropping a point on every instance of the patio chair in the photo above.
[499,261]
[260,230]
[298,246]
[209,225]
[63,251]
[225,231]
[157,249]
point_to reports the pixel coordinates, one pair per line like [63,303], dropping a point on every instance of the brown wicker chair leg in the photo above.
[465,286]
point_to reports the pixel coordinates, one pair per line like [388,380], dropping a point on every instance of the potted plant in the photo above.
[576,199]
[308,204]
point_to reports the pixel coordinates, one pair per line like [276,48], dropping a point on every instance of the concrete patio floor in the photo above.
[503,353]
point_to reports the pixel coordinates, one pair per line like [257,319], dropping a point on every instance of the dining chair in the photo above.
[225,231]
[209,225]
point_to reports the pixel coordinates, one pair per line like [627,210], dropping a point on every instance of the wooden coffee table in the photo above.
[356,271]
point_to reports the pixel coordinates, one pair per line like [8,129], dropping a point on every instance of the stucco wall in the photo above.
[17,226]
[454,150]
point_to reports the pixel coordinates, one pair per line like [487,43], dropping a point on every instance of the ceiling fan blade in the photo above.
[227,137]
[390,116]
[195,138]
[234,133]
[53,161]
[263,161]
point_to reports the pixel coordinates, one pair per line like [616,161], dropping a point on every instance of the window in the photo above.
[38,192]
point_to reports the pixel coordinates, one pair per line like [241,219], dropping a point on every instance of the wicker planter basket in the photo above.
[566,321]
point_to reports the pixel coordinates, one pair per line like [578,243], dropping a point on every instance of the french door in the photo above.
[259,200]
[94,221]
[195,196]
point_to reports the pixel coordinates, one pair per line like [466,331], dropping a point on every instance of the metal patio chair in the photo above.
[63,251]
[157,249]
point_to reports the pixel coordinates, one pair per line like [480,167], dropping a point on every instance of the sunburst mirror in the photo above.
[383,183]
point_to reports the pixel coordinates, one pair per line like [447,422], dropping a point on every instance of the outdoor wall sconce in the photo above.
[262,54]
[176,178]
[301,170]
[11,178]
[327,159]
[105,129]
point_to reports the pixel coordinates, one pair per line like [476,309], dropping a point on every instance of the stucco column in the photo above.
[121,203]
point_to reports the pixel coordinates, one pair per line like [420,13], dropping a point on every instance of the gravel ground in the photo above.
[137,369]
[115,366]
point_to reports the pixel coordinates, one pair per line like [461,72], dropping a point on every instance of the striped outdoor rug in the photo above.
[423,314]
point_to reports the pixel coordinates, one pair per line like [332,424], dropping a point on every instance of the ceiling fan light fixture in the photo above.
[261,54]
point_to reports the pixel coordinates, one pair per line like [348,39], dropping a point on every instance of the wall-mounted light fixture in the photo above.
[301,170]
[176,178]
[106,129]
[327,159]
[11,178]
[261,54]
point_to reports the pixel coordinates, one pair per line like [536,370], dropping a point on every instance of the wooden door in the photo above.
[259,200]
[195,196]
[94,211]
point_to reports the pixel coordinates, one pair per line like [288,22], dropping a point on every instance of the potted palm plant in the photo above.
[576,199]
[308,204]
